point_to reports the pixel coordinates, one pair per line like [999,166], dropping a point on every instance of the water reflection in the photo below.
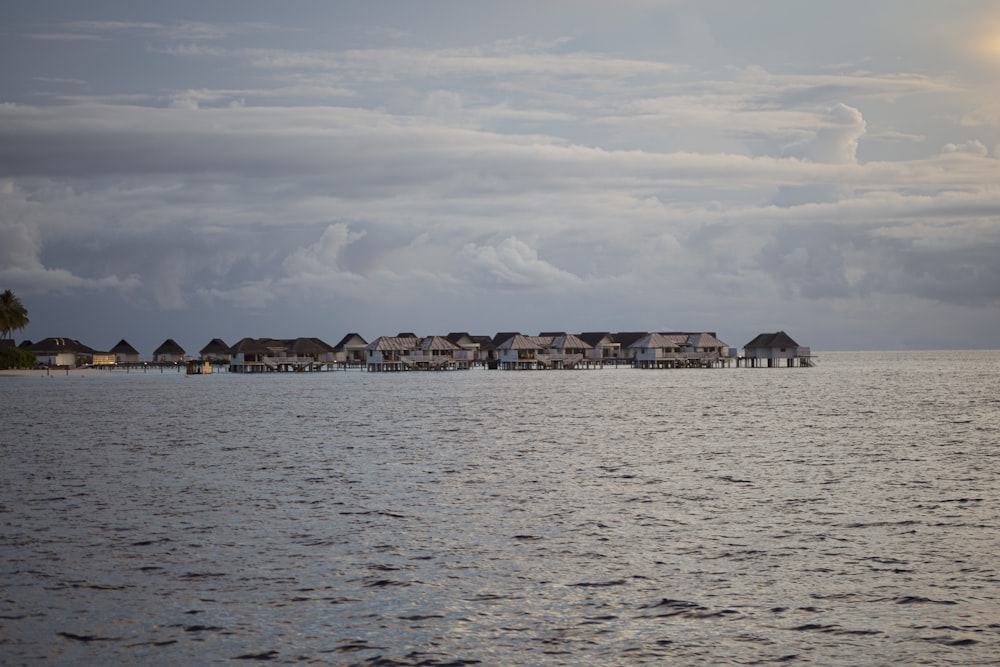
[615,516]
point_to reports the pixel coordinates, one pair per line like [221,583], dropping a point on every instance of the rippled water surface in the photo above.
[845,514]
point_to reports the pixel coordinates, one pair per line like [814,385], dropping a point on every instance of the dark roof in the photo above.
[348,337]
[123,347]
[552,334]
[215,346]
[407,335]
[504,335]
[307,346]
[59,345]
[275,345]
[627,338]
[771,340]
[485,342]
[169,346]
[594,337]
[249,346]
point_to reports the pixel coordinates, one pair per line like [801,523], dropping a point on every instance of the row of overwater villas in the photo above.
[506,351]
[513,351]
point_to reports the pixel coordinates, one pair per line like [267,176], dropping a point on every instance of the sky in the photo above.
[194,170]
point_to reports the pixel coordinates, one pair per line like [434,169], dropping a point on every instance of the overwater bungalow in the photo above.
[255,355]
[313,351]
[603,347]
[435,353]
[502,336]
[386,353]
[774,350]
[625,340]
[487,351]
[705,349]
[469,348]
[564,351]
[677,349]
[658,350]
[169,352]
[215,352]
[521,352]
[350,351]
[247,356]
[125,353]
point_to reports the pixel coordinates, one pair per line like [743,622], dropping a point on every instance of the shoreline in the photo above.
[45,373]
[77,372]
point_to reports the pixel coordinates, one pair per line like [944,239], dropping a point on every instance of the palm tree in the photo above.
[13,314]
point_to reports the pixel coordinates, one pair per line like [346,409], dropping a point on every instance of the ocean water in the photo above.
[846,514]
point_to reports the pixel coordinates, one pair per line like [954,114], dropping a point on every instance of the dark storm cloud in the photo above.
[837,262]
[968,275]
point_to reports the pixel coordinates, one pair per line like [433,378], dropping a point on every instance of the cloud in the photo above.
[114,26]
[21,246]
[183,103]
[319,265]
[64,37]
[513,264]
[831,262]
[466,166]
[894,136]
[309,273]
[835,140]
[37,279]
[256,295]
[974,147]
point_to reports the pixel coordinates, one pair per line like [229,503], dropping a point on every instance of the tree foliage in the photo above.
[13,314]
[15,357]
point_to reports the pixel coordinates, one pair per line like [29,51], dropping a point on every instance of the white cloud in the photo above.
[974,147]
[183,103]
[319,265]
[513,264]
[835,140]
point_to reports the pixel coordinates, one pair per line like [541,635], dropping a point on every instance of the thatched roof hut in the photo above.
[216,349]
